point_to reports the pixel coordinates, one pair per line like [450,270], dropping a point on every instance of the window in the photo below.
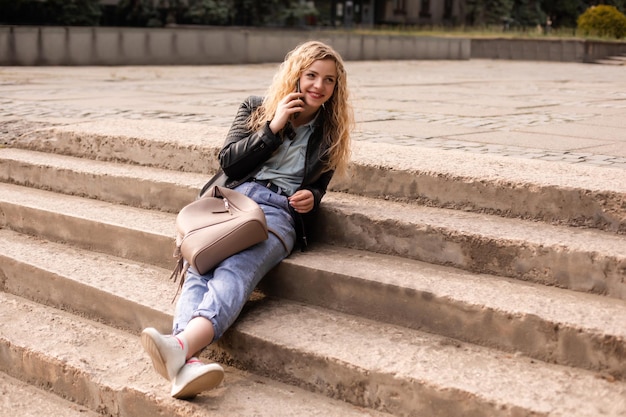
[447,9]
[399,6]
[425,8]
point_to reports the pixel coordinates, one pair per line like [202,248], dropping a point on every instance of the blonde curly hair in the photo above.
[339,117]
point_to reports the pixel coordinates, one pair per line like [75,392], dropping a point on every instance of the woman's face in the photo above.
[317,83]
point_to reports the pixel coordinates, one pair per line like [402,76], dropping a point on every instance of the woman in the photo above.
[282,151]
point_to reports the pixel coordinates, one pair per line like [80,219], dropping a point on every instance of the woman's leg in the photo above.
[198,333]
[219,296]
[209,304]
[201,332]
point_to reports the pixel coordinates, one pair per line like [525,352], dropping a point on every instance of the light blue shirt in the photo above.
[285,168]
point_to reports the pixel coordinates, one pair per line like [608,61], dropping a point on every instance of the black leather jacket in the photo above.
[245,151]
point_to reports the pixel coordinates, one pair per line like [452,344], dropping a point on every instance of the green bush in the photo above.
[50,12]
[603,21]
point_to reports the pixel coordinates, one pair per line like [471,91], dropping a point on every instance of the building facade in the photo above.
[369,13]
[393,12]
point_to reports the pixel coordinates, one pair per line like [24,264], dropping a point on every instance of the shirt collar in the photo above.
[312,124]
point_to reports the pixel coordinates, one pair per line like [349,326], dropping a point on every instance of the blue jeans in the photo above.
[220,294]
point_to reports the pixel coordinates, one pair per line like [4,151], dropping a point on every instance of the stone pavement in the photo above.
[567,112]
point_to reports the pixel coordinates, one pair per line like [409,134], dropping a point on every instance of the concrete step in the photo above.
[612,60]
[25,400]
[364,362]
[106,371]
[553,325]
[578,259]
[553,192]
[573,258]
[129,232]
[547,323]
[122,293]
[409,372]
[137,186]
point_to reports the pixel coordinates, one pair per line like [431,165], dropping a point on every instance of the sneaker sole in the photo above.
[150,346]
[205,382]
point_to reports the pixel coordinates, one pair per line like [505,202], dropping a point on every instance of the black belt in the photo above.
[269,185]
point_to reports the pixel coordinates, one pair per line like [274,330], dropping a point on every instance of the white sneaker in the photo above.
[168,353]
[196,377]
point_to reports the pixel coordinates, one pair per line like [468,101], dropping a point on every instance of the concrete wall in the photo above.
[545,49]
[24,45]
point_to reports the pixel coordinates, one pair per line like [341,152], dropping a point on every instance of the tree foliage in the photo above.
[50,12]
[563,13]
[255,13]
[137,13]
[528,13]
[488,12]
[210,12]
[604,21]
[510,13]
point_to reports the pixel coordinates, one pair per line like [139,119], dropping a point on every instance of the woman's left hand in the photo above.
[302,201]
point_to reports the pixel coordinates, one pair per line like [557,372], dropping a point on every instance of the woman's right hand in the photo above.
[291,104]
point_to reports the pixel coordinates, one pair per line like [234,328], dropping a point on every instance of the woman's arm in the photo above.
[318,189]
[244,150]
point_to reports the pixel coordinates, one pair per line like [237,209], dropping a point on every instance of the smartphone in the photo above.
[295,115]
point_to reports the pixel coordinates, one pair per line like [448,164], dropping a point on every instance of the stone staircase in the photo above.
[431,292]
[613,60]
